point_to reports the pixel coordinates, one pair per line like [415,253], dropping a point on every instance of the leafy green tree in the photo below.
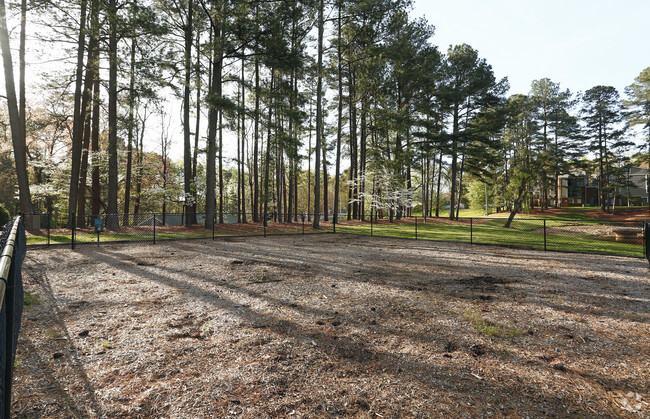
[469,87]
[548,101]
[521,157]
[568,143]
[406,48]
[476,194]
[602,115]
[484,148]
[637,108]
[369,53]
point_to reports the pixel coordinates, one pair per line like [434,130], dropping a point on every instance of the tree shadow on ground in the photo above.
[51,370]
[344,348]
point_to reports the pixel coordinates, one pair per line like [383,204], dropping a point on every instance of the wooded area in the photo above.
[338,107]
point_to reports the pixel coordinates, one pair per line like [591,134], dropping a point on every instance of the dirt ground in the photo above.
[618,214]
[324,325]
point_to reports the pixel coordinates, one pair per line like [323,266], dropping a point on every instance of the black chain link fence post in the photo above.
[416,228]
[371,220]
[49,223]
[471,231]
[544,235]
[265,220]
[214,221]
[154,228]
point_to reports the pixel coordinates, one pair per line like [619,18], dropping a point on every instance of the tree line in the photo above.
[295,90]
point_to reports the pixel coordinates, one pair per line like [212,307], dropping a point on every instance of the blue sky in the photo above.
[578,43]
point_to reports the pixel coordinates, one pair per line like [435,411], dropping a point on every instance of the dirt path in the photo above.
[332,325]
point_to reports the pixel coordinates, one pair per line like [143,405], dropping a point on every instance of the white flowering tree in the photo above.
[388,193]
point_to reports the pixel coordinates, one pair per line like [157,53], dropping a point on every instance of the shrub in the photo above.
[4,216]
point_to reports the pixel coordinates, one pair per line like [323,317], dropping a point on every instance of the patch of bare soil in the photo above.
[622,214]
[596,230]
[618,214]
[326,325]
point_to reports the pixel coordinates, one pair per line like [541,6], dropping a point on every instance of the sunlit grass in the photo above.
[491,328]
[524,233]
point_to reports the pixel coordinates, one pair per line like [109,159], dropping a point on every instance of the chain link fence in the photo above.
[47,230]
[13,247]
[623,238]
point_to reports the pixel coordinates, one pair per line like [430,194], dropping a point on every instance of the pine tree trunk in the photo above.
[278,156]
[129,147]
[319,118]
[296,144]
[197,126]
[521,195]
[602,180]
[243,143]
[339,126]
[362,162]
[221,185]
[138,176]
[325,185]
[15,118]
[439,184]
[87,104]
[267,160]
[22,99]
[355,148]
[211,146]
[112,222]
[78,116]
[309,152]
[409,183]
[94,142]
[290,200]
[460,184]
[256,143]
[454,162]
[187,149]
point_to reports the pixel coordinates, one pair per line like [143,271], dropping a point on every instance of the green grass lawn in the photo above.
[525,233]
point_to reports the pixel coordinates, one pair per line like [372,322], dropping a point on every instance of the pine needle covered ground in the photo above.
[328,325]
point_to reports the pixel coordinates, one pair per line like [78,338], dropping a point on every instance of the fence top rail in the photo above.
[6,257]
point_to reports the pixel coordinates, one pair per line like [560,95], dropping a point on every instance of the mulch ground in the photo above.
[325,325]
[618,214]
